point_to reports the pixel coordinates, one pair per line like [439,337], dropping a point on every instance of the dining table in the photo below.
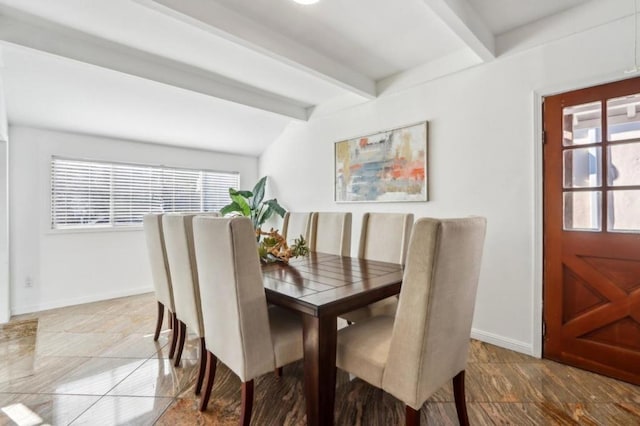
[321,287]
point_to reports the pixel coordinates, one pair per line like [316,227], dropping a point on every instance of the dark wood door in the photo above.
[592,229]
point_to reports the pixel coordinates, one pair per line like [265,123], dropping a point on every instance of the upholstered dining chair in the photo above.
[240,330]
[384,237]
[154,236]
[330,233]
[296,224]
[428,343]
[178,235]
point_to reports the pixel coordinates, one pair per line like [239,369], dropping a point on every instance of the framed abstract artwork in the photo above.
[389,166]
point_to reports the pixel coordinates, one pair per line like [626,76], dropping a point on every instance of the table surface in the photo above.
[320,287]
[321,284]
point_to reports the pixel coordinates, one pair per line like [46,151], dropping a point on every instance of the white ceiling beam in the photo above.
[219,20]
[35,33]
[555,27]
[465,22]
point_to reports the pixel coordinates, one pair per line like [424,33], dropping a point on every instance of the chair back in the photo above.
[296,224]
[385,236]
[178,230]
[331,233]
[234,306]
[431,333]
[154,236]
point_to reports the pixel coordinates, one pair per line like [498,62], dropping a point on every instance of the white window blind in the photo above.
[88,194]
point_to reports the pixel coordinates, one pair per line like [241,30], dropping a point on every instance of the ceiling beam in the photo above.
[34,33]
[465,22]
[223,22]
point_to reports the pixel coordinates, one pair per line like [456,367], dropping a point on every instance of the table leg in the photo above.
[320,334]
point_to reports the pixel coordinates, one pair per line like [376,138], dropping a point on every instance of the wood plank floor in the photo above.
[97,364]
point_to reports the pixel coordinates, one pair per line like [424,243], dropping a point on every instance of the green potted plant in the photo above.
[252,205]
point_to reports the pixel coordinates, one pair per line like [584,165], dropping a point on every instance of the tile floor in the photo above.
[97,364]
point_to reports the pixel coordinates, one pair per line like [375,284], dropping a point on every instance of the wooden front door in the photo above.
[592,229]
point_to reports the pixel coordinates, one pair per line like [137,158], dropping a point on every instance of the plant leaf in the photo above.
[245,209]
[258,192]
[245,194]
[230,208]
[277,208]
[255,216]
[266,214]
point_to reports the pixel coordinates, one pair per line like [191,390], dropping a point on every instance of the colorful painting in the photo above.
[387,166]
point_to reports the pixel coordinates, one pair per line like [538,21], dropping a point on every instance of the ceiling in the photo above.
[230,75]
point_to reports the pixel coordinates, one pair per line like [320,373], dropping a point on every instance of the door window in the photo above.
[592,200]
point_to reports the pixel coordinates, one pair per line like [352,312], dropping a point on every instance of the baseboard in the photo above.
[503,342]
[27,309]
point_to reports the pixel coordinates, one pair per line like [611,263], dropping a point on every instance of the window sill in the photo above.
[93,230]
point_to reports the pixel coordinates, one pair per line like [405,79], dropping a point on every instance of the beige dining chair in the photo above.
[240,330]
[330,233]
[178,236]
[296,224]
[384,237]
[160,275]
[428,343]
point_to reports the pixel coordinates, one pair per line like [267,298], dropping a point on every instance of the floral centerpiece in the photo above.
[271,245]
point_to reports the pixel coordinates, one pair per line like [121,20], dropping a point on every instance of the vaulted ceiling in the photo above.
[230,75]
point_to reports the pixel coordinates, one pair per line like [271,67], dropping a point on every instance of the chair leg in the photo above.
[182,334]
[412,416]
[247,403]
[174,335]
[203,363]
[159,321]
[278,372]
[458,394]
[210,377]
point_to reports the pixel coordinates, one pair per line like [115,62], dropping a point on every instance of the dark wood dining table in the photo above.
[321,287]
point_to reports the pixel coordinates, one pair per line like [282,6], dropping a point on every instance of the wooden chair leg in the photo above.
[278,372]
[159,321]
[458,394]
[203,363]
[174,335]
[247,403]
[412,416]
[182,335]
[210,377]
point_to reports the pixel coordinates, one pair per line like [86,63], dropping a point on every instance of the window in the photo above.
[89,194]
[601,165]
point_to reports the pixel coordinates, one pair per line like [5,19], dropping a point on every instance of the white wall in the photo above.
[5,306]
[482,148]
[75,267]
[5,309]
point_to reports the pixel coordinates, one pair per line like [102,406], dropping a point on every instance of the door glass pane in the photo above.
[582,211]
[624,211]
[624,164]
[581,167]
[582,124]
[623,115]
